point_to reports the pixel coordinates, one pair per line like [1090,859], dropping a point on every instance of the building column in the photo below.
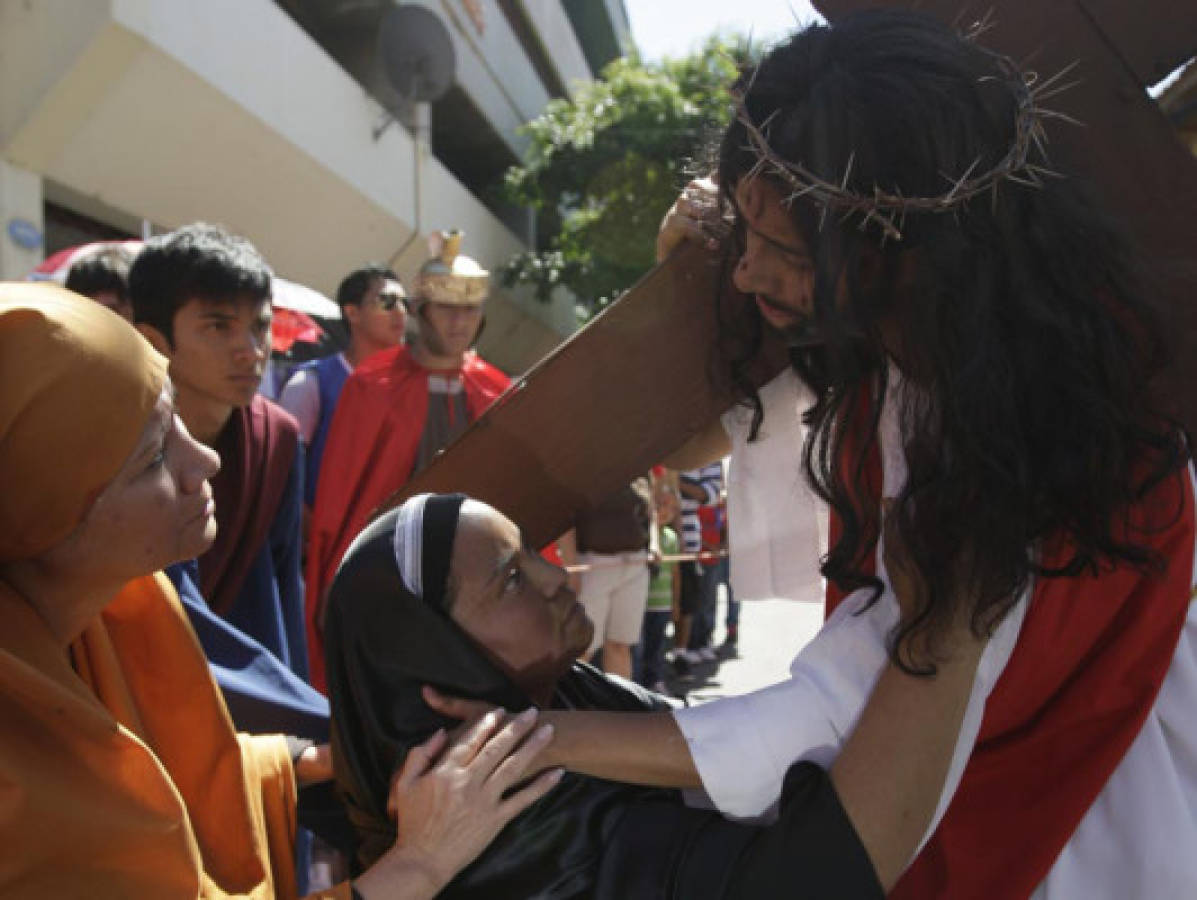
[22,222]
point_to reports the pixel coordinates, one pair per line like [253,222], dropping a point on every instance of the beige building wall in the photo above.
[163,111]
[20,209]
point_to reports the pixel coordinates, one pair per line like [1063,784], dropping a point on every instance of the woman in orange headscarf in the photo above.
[120,772]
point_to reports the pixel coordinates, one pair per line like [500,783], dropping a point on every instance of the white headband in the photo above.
[409,543]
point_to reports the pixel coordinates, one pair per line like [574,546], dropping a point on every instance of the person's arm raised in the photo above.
[694,217]
[656,753]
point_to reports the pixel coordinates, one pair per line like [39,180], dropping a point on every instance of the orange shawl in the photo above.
[120,772]
[122,776]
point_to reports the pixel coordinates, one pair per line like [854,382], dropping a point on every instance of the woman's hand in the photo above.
[450,803]
[694,217]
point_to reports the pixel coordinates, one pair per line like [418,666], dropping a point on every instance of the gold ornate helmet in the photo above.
[448,277]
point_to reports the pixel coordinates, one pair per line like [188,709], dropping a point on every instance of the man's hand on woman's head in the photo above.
[451,797]
[695,216]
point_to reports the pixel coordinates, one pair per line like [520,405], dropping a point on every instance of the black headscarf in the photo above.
[588,838]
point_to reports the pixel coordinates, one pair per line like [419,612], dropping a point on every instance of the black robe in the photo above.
[589,838]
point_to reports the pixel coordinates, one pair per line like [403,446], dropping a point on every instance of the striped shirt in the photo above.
[710,479]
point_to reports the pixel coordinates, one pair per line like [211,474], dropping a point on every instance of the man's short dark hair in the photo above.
[196,261]
[103,270]
[354,286]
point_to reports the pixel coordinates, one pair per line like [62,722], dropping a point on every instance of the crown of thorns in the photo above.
[1024,163]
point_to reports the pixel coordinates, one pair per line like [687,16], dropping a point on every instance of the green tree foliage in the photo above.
[603,168]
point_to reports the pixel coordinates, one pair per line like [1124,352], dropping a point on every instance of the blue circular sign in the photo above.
[24,234]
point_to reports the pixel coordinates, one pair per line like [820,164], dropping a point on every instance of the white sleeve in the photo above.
[301,398]
[743,746]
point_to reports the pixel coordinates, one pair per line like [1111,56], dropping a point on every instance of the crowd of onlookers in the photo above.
[650,558]
[202,297]
[999,702]
[300,474]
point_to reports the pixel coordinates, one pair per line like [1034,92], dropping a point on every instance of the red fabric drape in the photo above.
[1090,659]
[1091,656]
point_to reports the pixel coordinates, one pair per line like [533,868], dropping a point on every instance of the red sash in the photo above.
[1090,659]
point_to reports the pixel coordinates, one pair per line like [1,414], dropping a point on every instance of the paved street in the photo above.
[771,633]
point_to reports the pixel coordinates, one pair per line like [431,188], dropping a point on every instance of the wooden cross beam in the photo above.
[608,404]
[1125,146]
[644,376]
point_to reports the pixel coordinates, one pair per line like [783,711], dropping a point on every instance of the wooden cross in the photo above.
[604,407]
[643,377]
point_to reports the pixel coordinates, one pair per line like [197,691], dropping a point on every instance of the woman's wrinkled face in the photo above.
[775,268]
[157,510]
[516,606]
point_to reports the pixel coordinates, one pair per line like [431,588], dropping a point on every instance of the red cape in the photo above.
[371,448]
[1091,656]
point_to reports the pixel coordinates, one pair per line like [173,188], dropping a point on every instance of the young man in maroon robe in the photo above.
[202,298]
[396,411]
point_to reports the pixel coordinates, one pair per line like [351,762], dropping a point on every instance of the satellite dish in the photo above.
[416,53]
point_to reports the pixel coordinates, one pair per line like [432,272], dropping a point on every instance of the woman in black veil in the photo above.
[442,592]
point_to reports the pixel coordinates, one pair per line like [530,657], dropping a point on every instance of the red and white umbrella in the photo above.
[302,299]
[294,304]
[56,266]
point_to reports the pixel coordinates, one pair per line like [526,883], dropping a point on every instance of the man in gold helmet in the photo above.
[396,411]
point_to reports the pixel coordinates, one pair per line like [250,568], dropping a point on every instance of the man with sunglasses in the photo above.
[374,309]
[397,411]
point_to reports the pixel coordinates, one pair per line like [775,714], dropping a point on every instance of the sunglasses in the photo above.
[390,300]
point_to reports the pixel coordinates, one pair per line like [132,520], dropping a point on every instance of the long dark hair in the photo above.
[1018,319]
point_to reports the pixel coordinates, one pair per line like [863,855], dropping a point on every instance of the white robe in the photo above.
[1138,839]
[777,527]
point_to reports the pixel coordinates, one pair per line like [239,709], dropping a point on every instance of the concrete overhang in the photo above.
[227,111]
